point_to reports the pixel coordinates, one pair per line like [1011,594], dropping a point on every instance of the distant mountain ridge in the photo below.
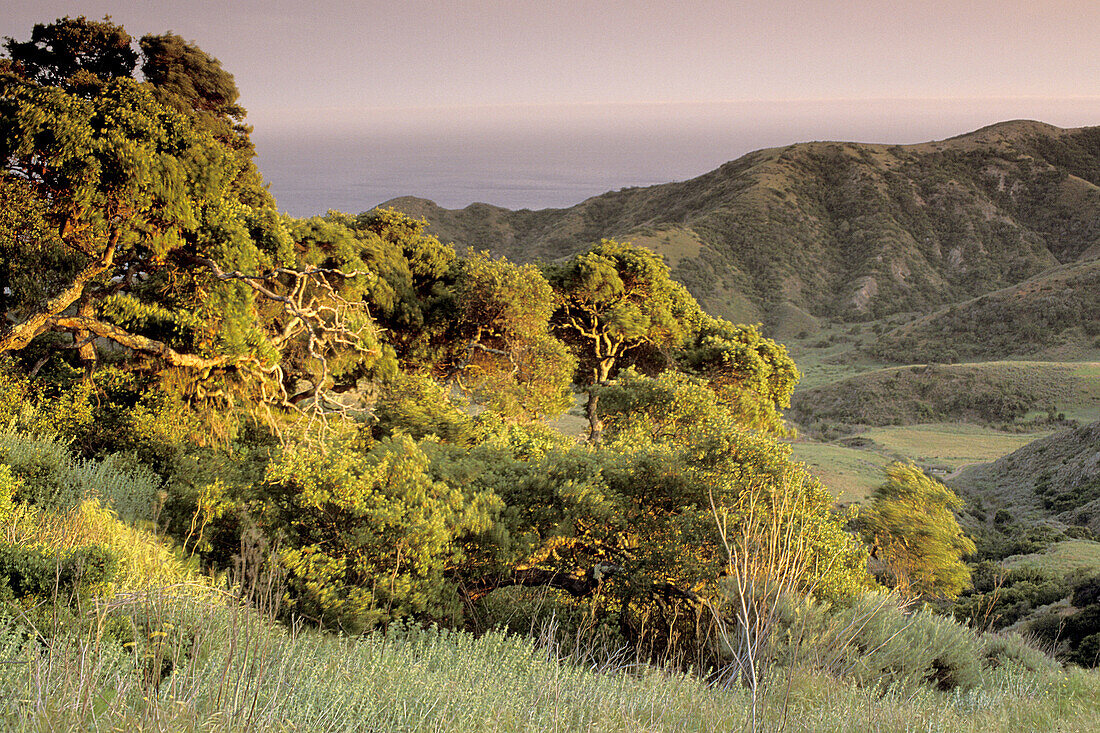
[846,231]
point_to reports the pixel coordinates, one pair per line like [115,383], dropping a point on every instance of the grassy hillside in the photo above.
[1067,557]
[850,473]
[1001,393]
[1054,315]
[944,447]
[854,466]
[1055,478]
[840,230]
[229,670]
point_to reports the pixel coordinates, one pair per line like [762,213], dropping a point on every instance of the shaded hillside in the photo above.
[989,393]
[1055,477]
[836,229]
[1055,314]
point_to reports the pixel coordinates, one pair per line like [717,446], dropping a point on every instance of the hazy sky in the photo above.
[884,70]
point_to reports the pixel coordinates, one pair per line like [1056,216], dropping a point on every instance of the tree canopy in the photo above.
[618,306]
[918,541]
[151,293]
[71,51]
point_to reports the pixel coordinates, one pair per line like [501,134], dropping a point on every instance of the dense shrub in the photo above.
[1073,628]
[367,535]
[1011,648]
[40,573]
[876,641]
[912,648]
[1001,597]
[52,478]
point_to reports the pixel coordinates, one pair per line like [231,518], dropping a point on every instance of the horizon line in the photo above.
[676,103]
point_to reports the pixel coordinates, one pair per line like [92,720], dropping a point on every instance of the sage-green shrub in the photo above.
[52,477]
[875,641]
[1011,648]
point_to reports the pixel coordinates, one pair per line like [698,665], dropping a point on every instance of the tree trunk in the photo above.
[595,424]
[21,334]
[86,340]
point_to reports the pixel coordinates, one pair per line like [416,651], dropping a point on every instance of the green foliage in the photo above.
[158,225]
[690,451]
[1074,630]
[74,50]
[916,648]
[1001,597]
[33,263]
[617,307]
[408,285]
[753,375]
[367,536]
[186,71]
[133,186]
[919,542]
[10,486]
[35,574]
[418,406]
[617,298]
[50,477]
[1011,648]
[501,340]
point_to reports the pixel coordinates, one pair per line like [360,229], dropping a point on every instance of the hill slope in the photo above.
[983,393]
[1055,477]
[1052,315]
[843,230]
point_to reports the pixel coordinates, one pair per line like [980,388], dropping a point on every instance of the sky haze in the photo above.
[701,82]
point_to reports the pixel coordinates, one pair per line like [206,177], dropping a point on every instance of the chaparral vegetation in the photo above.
[260,472]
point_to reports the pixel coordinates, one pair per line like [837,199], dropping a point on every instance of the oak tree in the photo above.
[617,305]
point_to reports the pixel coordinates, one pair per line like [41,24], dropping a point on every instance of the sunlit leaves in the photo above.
[368,536]
[919,542]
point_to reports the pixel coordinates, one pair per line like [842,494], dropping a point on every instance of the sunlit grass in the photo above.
[1068,556]
[948,445]
[145,561]
[230,670]
[850,473]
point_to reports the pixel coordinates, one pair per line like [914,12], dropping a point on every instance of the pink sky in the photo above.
[356,102]
[292,58]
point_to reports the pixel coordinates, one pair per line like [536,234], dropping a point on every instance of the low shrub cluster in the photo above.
[878,642]
[52,478]
[35,574]
[1075,629]
[1001,597]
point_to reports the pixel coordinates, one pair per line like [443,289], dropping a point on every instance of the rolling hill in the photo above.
[844,231]
[987,393]
[1056,477]
[1054,315]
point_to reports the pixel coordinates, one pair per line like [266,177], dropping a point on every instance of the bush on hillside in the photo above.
[42,574]
[1001,597]
[1073,628]
[876,641]
[1012,648]
[52,478]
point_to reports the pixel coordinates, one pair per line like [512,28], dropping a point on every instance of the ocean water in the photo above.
[556,157]
[355,171]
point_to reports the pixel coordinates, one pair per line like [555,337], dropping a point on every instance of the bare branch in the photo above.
[141,343]
[22,333]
